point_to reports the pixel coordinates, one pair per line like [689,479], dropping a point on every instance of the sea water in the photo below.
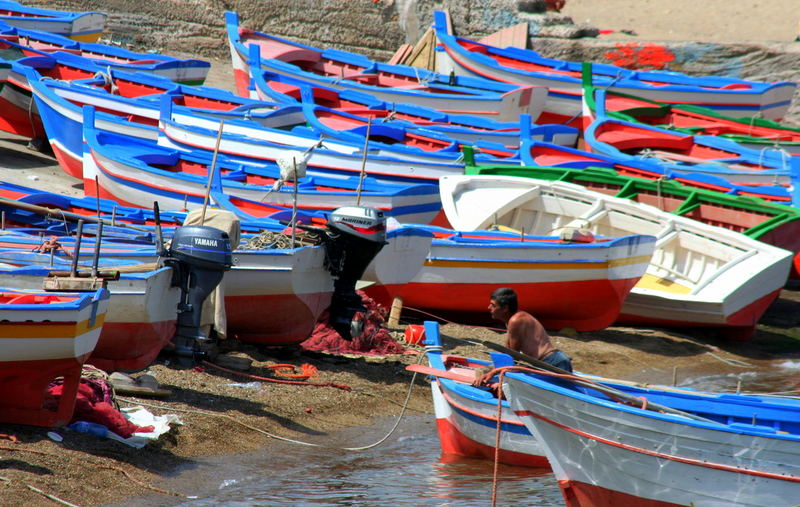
[408,469]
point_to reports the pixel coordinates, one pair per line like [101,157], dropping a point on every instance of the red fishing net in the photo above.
[375,339]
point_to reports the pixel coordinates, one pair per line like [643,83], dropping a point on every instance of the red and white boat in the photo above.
[44,336]
[581,284]
[729,96]
[699,274]
[391,83]
[294,284]
[142,309]
[661,448]
[466,416]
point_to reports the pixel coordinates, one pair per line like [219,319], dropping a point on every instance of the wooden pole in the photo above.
[294,200]
[96,259]
[211,172]
[363,162]
[394,314]
[77,251]
[41,210]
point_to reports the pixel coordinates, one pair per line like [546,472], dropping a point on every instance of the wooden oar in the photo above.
[429,370]
[43,210]
[610,391]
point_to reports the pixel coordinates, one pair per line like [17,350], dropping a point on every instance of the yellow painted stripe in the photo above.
[50,329]
[485,264]
[86,37]
[652,282]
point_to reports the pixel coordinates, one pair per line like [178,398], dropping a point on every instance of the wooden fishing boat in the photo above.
[38,210]
[138,173]
[751,132]
[580,285]
[392,83]
[270,86]
[189,71]
[772,223]
[536,153]
[18,113]
[242,141]
[44,336]
[681,152]
[699,275]
[394,153]
[142,308]
[33,213]
[298,283]
[466,416]
[705,451]
[294,283]
[80,26]
[307,125]
[129,103]
[729,96]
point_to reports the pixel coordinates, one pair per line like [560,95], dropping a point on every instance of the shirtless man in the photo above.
[524,333]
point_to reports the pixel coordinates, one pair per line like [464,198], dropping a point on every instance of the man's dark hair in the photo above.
[505,298]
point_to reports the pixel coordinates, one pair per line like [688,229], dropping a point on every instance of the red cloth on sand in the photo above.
[90,406]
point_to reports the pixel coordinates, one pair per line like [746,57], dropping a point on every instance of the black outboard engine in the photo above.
[355,235]
[199,256]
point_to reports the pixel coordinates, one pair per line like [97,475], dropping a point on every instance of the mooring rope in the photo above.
[291,440]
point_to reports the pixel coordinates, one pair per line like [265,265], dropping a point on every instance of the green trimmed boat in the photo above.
[772,223]
[755,133]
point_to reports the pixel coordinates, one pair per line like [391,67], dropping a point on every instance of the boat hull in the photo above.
[468,428]
[40,343]
[140,321]
[601,451]
[563,285]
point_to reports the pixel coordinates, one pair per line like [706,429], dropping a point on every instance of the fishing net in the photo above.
[375,339]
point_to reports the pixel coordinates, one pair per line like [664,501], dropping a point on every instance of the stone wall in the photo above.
[377,28]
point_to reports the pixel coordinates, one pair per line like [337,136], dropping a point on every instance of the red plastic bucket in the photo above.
[415,334]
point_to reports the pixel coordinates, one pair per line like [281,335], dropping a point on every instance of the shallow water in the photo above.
[406,470]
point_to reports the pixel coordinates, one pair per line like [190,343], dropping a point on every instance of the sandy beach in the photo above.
[222,418]
[687,20]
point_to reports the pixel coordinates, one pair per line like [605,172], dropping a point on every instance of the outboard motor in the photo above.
[355,235]
[199,256]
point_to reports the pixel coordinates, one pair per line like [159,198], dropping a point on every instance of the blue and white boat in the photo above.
[260,140]
[80,26]
[686,153]
[661,448]
[270,86]
[190,71]
[729,96]
[138,172]
[391,83]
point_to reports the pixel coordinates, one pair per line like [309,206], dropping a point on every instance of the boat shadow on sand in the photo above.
[202,400]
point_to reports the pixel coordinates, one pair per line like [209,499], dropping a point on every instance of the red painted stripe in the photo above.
[453,441]
[661,455]
[581,494]
[71,165]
